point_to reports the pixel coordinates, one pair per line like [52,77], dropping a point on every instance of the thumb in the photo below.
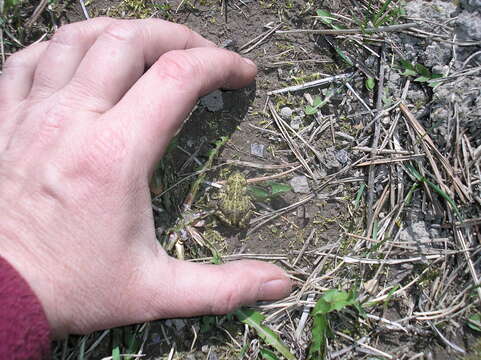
[186,289]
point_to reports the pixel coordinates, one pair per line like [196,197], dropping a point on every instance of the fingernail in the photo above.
[274,289]
[249,61]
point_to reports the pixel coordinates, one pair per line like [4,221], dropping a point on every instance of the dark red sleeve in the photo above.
[24,330]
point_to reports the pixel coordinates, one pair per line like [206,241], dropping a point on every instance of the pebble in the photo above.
[342,156]
[213,101]
[300,185]
[286,113]
[258,149]
[296,122]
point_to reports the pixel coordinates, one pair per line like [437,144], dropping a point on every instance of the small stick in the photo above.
[312,84]
[391,28]
[84,9]
[265,36]
[392,160]
[2,49]
[38,10]
[375,143]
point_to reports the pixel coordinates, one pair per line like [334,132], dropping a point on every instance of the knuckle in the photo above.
[227,300]
[16,61]
[68,34]
[185,32]
[122,31]
[179,66]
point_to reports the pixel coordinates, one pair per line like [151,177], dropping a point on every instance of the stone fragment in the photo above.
[258,149]
[213,101]
[286,113]
[300,185]
[296,122]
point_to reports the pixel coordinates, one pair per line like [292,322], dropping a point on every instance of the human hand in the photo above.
[81,128]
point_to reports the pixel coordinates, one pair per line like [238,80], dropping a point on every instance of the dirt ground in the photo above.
[358,224]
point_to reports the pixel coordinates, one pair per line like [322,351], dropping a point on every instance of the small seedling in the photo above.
[254,319]
[370,83]
[268,190]
[421,72]
[421,179]
[332,300]
[317,103]
[327,18]
[474,322]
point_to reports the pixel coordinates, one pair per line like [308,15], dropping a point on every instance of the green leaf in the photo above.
[268,355]
[407,65]
[358,195]
[254,319]
[258,193]
[436,188]
[317,101]
[278,188]
[370,83]
[116,353]
[409,72]
[422,70]
[326,16]
[474,322]
[310,110]
[422,79]
[344,57]
[333,300]
[320,328]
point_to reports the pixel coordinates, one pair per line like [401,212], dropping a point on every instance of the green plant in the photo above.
[254,319]
[332,300]
[421,179]
[422,73]
[268,190]
[317,103]
[474,322]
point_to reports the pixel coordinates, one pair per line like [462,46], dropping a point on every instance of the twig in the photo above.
[312,84]
[286,136]
[391,28]
[391,160]
[84,9]
[38,10]
[257,40]
[375,142]
[2,49]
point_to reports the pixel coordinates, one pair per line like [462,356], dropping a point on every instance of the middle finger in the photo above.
[120,55]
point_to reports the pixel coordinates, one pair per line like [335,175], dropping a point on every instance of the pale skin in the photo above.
[82,125]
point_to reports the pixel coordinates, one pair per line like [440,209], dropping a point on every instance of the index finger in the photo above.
[151,112]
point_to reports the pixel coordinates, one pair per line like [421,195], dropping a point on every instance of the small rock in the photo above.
[342,156]
[258,149]
[416,232]
[469,26]
[286,113]
[330,160]
[213,101]
[300,185]
[296,122]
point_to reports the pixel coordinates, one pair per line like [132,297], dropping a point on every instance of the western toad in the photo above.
[234,205]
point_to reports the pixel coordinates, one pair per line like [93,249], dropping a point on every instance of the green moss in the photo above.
[141,9]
